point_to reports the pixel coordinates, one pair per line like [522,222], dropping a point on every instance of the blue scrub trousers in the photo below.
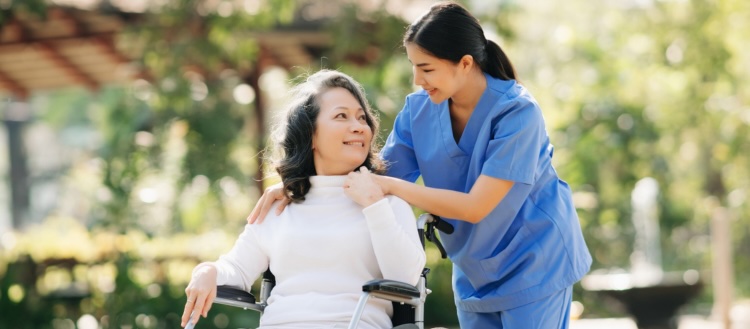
[547,313]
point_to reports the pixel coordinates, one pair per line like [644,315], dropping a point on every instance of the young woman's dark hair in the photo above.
[295,132]
[449,31]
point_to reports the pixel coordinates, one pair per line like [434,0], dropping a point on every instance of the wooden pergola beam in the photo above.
[62,16]
[66,65]
[15,29]
[11,84]
[107,46]
[10,47]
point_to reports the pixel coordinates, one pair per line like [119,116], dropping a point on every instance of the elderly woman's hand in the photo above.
[201,292]
[362,187]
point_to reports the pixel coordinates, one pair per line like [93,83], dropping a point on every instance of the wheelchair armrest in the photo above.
[391,290]
[231,296]
[227,292]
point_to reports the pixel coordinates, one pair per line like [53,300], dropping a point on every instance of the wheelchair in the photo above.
[408,301]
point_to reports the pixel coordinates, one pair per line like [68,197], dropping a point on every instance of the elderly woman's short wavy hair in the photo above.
[294,134]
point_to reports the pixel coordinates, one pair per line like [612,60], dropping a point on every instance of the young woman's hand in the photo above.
[201,292]
[270,195]
[362,187]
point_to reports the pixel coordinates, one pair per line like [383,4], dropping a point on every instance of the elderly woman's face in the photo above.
[341,141]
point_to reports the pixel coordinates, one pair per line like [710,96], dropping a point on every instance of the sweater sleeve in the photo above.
[393,231]
[244,263]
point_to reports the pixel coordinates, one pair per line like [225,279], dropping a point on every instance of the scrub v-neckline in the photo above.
[465,144]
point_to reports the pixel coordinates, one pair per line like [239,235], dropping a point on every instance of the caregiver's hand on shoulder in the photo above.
[361,187]
[270,195]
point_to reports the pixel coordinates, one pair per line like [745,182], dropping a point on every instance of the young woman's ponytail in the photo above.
[497,63]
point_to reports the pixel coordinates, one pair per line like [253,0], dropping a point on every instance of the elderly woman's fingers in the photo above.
[200,303]
[361,188]
[209,302]
[200,292]
[187,312]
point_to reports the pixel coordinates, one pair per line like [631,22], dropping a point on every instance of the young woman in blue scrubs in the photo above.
[478,139]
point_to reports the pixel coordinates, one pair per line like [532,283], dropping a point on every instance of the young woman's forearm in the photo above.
[472,207]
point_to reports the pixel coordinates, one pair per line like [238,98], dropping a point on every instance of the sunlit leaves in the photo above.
[653,90]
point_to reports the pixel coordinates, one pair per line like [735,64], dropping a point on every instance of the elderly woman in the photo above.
[331,239]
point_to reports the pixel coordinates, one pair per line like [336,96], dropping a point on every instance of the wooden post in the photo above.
[723,271]
[253,79]
[16,115]
[260,120]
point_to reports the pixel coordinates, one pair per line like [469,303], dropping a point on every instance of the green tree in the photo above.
[642,89]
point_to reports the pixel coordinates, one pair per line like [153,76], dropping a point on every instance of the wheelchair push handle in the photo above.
[432,222]
[443,226]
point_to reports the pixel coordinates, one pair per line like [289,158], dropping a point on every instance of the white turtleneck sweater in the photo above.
[322,251]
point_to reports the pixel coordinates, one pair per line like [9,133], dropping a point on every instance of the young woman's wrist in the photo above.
[385,183]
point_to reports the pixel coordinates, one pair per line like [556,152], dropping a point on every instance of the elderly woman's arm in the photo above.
[244,263]
[393,232]
[392,226]
[239,268]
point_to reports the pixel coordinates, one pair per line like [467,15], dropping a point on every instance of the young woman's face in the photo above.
[341,142]
[439,77]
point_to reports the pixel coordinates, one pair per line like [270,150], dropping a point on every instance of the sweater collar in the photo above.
[327,181]
[325,188]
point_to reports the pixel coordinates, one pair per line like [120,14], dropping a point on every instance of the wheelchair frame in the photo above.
[399,293]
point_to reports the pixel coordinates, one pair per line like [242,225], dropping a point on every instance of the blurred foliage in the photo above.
[376,61]
[629,90]
[60,273]
[195,54]
[9,8]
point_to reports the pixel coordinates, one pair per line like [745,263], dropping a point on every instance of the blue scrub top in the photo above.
[531,245]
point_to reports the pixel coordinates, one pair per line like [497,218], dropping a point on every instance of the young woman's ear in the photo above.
[466,63]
